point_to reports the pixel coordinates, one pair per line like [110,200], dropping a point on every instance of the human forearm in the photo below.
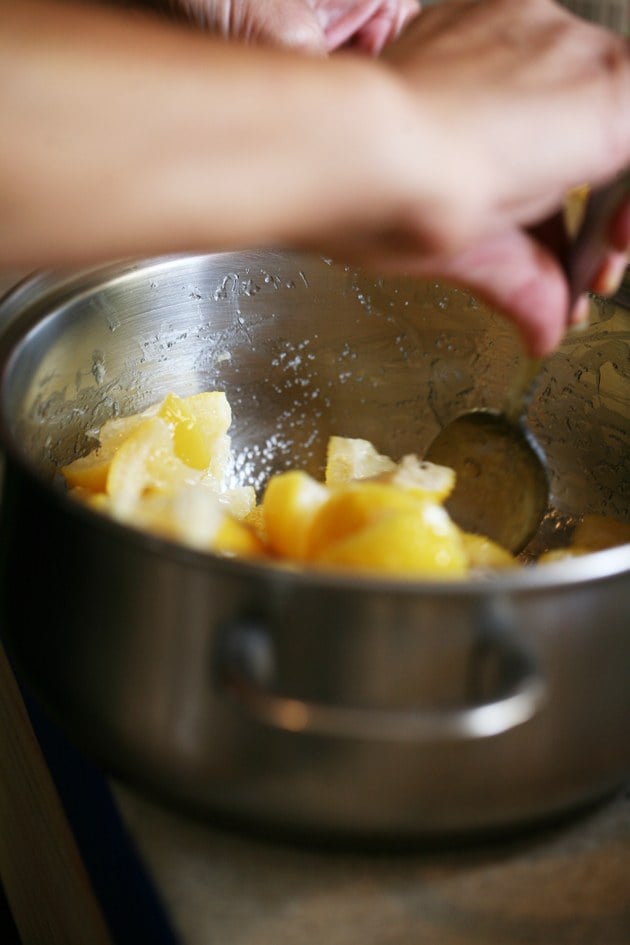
[126,136]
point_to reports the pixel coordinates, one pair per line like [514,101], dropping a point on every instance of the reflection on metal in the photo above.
[123,635]
[511,694]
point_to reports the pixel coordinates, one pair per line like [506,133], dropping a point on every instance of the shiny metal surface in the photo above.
[454,707]
[501,488]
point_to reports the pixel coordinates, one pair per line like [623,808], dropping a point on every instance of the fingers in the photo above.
[521,275]
[611,274]
[384,27]
[314,26]
[521,279]
[368,25]
[601,245]
[552,234]
[602,250]
[290,23]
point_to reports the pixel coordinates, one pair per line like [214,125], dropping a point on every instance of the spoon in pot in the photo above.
[502,486]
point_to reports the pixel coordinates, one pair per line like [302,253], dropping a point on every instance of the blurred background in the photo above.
[615,14]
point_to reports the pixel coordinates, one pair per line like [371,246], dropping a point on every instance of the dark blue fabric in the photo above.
[130,902]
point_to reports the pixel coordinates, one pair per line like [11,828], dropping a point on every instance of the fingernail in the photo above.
[579,316]
[611,275]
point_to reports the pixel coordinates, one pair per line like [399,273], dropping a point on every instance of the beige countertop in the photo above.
[565,885]
[569,885]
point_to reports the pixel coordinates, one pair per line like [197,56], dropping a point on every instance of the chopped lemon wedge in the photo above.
[348,459]
[351,508]
[200,424]
[90,471]
[598,532]
[193,515]
[414,542]
[425,479]
[483,553]
[289,505]
[166,470]
[146,463]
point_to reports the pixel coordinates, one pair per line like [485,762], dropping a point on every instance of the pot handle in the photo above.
[245,665]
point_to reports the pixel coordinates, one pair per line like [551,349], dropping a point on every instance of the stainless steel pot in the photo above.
[340,705]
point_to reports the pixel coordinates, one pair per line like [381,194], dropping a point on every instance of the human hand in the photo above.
[530,101]
[317,26]
[443,157]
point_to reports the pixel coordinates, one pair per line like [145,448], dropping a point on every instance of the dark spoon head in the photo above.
[502,489]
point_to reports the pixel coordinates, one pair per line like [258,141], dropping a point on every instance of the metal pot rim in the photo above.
[25,298]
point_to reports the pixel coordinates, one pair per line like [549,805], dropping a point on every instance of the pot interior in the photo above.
[304,349]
